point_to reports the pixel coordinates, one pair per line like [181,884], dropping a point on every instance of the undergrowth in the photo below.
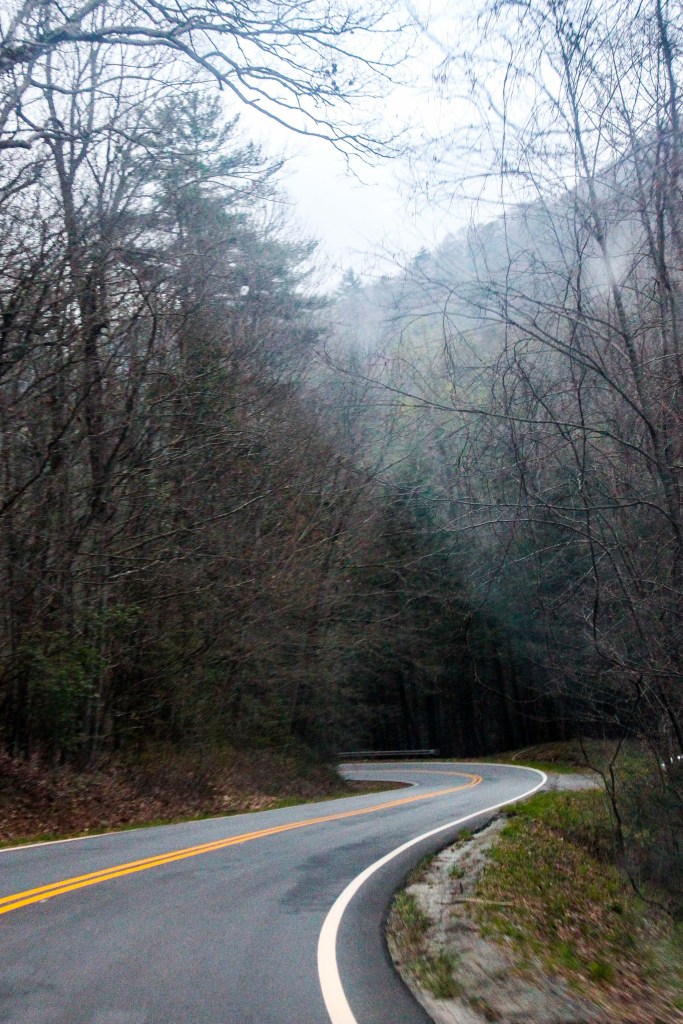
[158,786]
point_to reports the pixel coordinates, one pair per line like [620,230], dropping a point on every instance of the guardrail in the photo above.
[363,755]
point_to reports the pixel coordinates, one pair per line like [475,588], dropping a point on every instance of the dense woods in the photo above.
[195,546]
[440,510]
[551,411]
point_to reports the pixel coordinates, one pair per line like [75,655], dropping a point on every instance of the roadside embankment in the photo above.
[158,786]
[530,922]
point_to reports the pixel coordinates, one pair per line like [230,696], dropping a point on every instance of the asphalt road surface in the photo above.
[270,918]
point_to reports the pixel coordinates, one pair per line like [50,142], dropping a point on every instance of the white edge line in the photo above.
[328,970]
[56,842]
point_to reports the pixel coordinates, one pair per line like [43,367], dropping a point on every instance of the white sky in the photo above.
[366,217]
[365,220]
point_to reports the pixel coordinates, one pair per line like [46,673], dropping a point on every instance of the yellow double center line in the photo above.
[48,892]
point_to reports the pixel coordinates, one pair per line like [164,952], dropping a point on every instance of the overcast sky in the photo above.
[364,220]
[367,216]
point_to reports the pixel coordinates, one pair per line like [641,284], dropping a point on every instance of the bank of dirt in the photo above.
[39,801]
[465,972]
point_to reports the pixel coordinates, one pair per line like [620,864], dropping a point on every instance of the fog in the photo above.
[372,215]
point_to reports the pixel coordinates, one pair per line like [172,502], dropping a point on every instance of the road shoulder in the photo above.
[462,972]
[485,986]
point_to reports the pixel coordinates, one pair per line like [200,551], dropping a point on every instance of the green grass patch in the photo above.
[435,973]
[408,922]
[600,971]
[573,911]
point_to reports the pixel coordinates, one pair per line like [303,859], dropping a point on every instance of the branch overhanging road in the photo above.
[270,918]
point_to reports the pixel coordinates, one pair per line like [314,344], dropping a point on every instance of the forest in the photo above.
[442,509]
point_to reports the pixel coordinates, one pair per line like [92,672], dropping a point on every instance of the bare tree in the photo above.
[295,63]
[563,340]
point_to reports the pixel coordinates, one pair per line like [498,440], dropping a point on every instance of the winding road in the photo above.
[270,918]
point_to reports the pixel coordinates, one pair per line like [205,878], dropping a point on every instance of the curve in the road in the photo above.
[232,937]
[328,969]
[15,901]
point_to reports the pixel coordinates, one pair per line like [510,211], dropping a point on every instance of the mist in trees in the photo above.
[538,356]
[584,387]
[171,510]
[442,509]
[198,545]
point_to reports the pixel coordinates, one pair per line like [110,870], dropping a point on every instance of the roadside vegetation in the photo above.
[564,758]
[556,894]
[408,926]
[159,787]
[580,892]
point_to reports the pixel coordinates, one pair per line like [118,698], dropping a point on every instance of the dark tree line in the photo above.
[449,677]
[193,550]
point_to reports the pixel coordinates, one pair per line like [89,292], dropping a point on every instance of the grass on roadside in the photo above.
[411,923]
[407,930]
[563,758]
[575,914]
[434,972]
